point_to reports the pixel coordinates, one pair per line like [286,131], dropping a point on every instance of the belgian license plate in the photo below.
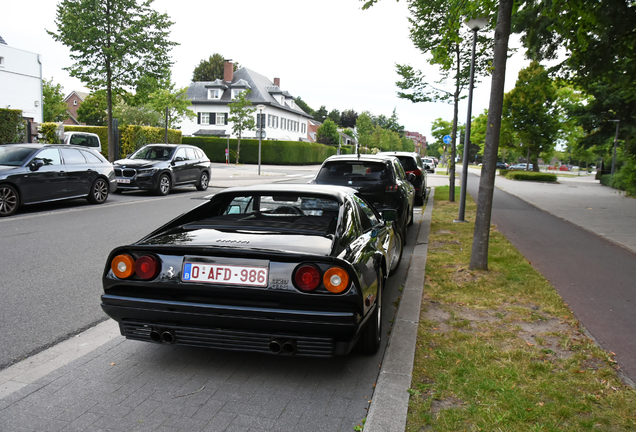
[123,180]
[225,274]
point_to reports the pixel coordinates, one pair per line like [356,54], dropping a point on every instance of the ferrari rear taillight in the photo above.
[123,266]
[336,279]
[307,277]
[146,267]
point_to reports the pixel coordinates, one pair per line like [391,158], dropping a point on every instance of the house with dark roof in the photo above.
[21,81]
[73,102]
[282,118]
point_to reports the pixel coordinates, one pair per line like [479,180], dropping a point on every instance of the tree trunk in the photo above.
[109,112]
[238,149]
[479,253]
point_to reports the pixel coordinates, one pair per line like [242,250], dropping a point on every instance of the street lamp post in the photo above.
[475,25]
[260,109]
[614,155]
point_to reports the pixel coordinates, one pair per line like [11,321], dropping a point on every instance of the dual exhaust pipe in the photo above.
[283,346]
[162,336]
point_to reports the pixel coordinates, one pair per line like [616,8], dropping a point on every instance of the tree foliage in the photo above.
[211,69]
[364,127]
[321,114]
[93,111]
[242,118]
[173,104]
[348,118]
[334,116]
[303,106]
[532,111]
[328,133]
[53,105]
[113,44]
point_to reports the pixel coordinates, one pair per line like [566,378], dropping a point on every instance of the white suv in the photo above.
[85,139]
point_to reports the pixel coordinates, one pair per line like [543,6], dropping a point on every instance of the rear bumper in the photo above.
[314,333]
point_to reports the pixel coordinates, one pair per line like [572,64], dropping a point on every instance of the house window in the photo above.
[236,93]
[2,61]
[269,120]
[221,118]
[74,101]
[214,94]
[205,118]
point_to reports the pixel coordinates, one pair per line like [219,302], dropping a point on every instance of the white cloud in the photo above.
[329,53]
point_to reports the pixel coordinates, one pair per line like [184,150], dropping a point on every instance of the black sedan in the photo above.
[37,173]
[379,178]
[274,268]
[160,167]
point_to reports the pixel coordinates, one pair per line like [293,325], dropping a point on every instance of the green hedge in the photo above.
[12,127]
[132,138]
[272,152]
[531,176]
[100,131]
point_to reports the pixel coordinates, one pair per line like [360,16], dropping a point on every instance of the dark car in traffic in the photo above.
[381,179]
[413,164]
[160,167]
[38,173]
[284,269]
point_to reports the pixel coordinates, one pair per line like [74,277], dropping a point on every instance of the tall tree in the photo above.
[93,111]
[348,118]
[364,128]
[173,104]
[303,106]
[321,114]
[211,69]
[437,30]
[53,105]
[334,115]
[531,108]
[113,44]
[241,118]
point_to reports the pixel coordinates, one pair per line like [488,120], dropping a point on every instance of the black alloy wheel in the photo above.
[9,200]
[164,186]
[203,181]
[99,192]
[372,334]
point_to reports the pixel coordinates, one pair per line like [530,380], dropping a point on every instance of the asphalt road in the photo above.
[52,261]
[594,276]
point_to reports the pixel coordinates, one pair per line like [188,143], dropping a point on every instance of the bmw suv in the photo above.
[381,180]
[413,164]
[160,167]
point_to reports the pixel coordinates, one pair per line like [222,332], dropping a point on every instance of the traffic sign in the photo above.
[447,139]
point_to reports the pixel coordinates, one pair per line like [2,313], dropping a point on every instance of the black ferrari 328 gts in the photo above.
[272,268]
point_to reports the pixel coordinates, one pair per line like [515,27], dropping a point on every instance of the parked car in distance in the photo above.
[160,167]
[429,164]
[413,164]
[502,165]
[84,139]
[283,269]
[37,173]
[520,167]
[380,179]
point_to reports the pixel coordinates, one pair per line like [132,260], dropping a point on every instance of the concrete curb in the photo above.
[389,406]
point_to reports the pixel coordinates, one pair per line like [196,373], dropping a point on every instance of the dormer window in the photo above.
[236,93]
[214,94]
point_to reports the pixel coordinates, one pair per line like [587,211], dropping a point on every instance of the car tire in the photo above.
[371,336]
[9,200]
[98,192]
[164,185]
[204,180]
[393,266]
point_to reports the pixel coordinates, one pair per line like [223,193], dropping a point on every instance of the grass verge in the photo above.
[499,350]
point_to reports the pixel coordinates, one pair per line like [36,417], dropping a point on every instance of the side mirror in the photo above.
[410,177]
[36,164]
[179,159]
[389,215]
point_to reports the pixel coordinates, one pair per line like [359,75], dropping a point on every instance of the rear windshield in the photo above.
[289,213]
[408,163]
[343,172]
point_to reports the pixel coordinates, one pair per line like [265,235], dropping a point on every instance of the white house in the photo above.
[284,120]
[21,81]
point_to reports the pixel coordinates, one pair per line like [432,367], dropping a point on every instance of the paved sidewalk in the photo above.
[582,201]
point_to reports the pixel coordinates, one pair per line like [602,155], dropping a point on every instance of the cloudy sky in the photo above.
[329,53]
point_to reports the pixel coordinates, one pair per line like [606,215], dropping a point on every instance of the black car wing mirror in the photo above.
[36,164]
[179,159]
[410,177]
[389,215]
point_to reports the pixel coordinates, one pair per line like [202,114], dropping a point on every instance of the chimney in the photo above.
[277,82]
[228,71]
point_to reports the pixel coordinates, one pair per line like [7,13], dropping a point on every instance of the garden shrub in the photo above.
[624,179]
[48,131]
[12,126]
[531,176]
[134,137]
